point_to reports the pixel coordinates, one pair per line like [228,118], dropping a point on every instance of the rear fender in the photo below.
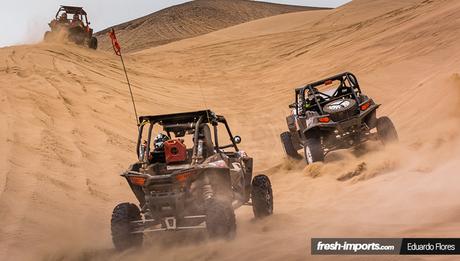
[313,131]
[219,180]
[318,129]
[369,116]
[138,192]
[248,166]
[291,123]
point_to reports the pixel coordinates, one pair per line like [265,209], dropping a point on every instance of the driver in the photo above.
[159,141]
[310,100]
[76,21]
[158,155]
[63,18]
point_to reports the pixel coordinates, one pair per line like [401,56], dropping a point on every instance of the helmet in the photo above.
[75,17]
[64,15]
[159,140]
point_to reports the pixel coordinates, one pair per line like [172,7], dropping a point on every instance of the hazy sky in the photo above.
[25,21]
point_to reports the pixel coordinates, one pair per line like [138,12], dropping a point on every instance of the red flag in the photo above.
[116,46]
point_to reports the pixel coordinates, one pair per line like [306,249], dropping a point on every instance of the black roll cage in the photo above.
[187,121]
[344,78]
[73,10]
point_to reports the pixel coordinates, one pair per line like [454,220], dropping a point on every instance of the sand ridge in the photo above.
[191,19]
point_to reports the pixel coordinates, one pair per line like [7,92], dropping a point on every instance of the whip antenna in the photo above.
[117,48]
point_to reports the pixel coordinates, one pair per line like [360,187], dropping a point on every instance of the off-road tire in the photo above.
[386,130]
[220,219]
[313,150]
[262,196]
[122,216]
[288,146]
[93,43]
[341,109]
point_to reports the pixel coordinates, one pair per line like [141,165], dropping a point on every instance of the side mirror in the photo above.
[237,139]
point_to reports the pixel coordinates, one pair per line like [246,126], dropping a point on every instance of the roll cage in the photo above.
[182,123]
[348,88]
[73,10]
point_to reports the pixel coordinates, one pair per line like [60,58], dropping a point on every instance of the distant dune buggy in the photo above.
[188,187]
[72,22]
[337,117]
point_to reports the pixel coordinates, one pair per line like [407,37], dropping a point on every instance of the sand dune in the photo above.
[191,19]
[67,130]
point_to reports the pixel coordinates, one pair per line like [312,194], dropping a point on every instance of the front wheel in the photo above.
[386,130]
[220,219]
[123,227]
[262,196]
[313,150]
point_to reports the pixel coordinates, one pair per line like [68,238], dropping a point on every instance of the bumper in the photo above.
[167,224]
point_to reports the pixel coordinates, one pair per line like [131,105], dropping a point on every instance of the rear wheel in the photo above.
[122,227]
[313,150]
[288,146]
[93,43]
[386,130]
[220,219]
[262,196]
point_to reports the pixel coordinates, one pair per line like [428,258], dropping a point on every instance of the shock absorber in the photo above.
[200,149]
[208,192]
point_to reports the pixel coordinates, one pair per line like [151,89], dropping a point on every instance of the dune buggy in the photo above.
[337,117]
[183,187]
[76,28]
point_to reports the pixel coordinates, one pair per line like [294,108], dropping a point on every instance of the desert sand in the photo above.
[68,130]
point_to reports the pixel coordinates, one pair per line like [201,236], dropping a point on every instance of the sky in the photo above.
[25,21]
